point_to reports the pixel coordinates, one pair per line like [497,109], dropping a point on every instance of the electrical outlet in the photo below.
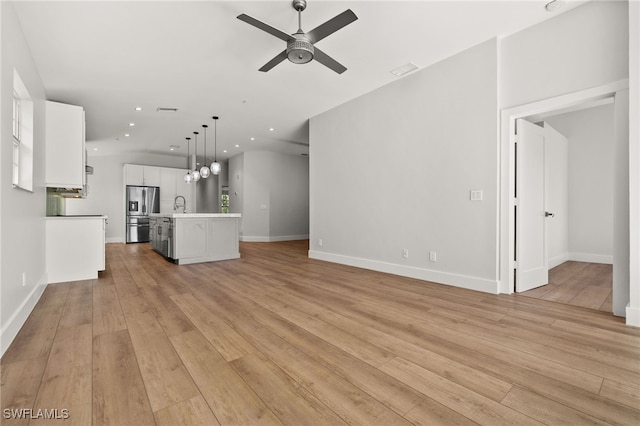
[433,256]
[405,253]
[320,242]
[24,279]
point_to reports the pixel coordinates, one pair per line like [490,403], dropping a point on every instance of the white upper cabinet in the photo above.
[142,175]
[151,176]
[65,146]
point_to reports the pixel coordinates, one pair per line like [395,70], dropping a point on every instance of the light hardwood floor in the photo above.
[578,283]
[277,338]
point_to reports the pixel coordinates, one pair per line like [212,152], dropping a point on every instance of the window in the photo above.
[22,140]
[16,140]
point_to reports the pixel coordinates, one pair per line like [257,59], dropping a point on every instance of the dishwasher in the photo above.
[166,237]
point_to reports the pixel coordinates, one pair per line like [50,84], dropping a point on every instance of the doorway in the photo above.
[578,185]
[509,204]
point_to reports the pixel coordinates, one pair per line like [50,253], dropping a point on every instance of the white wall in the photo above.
[392,170]
[556,156]
[582,48]
[591,173]
[22,224]
[271,190]
[106,188]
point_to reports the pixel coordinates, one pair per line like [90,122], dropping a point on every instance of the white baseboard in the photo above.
[115,240]
[558,260]
[591,258]
[270,239]
[13,325]
[455,280]
[633,316]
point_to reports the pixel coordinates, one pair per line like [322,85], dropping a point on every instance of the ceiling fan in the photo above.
[300,45]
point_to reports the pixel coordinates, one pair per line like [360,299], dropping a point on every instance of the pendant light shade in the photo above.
[215,166]
[196,173]
[188,178]
[204,170]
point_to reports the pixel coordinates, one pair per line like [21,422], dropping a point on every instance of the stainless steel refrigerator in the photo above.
[141,201]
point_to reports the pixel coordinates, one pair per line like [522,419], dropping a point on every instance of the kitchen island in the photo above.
[186,238]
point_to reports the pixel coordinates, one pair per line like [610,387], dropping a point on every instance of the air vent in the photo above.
[159,109]
[405,69]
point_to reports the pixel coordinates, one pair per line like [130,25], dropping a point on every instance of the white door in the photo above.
[531,248]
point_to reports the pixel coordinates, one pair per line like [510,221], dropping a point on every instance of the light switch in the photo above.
[476,195]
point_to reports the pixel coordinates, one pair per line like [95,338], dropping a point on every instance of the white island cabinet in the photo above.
[201,237]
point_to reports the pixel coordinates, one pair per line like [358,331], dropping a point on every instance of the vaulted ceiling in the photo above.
[111,57]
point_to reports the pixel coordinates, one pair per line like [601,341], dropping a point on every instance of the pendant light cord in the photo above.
[188,154]
[215,138]
[196,148]
[205,143]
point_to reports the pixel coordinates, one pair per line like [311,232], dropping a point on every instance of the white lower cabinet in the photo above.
[75,247]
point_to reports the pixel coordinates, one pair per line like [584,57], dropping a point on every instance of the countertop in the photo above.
[196,215]
[78,216]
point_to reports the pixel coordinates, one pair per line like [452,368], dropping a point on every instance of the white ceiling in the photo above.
[111,57]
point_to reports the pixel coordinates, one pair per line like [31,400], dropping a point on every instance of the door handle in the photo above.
[547,214]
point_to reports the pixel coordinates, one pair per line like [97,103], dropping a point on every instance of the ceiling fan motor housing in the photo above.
[300,49]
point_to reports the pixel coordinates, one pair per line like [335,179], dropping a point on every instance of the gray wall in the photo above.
[22,224]
[393,170]
[271,190]
[580,49]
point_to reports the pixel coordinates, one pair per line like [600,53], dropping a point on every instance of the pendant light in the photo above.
[204,170]
[196,173]
[215,166]
[188,178]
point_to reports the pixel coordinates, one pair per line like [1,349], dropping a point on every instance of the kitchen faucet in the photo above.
[183,205]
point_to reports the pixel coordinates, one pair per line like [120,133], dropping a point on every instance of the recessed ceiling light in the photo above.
[173,147]
[224,151]
[271,129]
[405,69]
[95,149]
[553,5]
[132,124]
[126,135]
[138,108]
[253,139]
[237,146]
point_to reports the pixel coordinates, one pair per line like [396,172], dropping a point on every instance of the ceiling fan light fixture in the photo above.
[299,50]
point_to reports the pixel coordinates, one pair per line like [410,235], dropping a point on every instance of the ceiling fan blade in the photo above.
[275,61]
[328,61]
[265,27]
[331,26]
